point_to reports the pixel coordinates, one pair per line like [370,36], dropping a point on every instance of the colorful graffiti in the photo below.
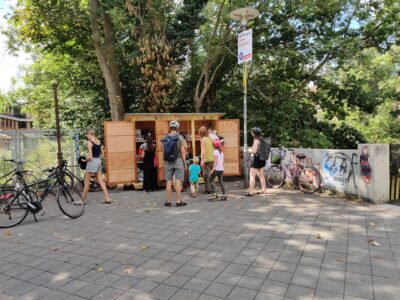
[339,169]
[365,167]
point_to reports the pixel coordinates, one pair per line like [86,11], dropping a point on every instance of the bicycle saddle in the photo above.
[300,156]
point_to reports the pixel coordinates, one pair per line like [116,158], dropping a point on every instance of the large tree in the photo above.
[296,42]
[114,33]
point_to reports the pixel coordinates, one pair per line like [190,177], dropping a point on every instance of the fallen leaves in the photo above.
[99,269]
[378,257]
[339,260]
[371,224]
[8,233]
[144,247]
[318,236]
[373,242]
[128,270]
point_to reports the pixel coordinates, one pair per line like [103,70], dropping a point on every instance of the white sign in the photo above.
[245,46]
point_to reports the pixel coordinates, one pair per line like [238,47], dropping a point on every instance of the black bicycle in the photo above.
[10,179]
[17,202]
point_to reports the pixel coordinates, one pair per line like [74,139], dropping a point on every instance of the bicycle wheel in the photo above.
[73,181]
[70,201]
[13,208]
[309,180]
[275,177]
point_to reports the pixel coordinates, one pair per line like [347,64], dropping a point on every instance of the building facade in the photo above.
[13,119]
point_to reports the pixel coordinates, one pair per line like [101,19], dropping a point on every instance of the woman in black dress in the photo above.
[149,166]
[257,164]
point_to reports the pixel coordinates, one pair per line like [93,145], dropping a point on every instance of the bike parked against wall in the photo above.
[298,170]
[16,202]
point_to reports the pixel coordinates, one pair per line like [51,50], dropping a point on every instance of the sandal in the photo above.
[167,204]
[249,195]
[106,202]
[181,204]
[261,193]
[213,198]
[223,198]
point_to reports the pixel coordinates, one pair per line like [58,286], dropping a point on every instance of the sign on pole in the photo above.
[245,46]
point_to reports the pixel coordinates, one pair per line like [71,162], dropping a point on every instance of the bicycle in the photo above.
[16,203]
[17,175]
[307,179]
[94,186]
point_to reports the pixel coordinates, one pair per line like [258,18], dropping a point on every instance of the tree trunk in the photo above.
[210,69]
[105,53]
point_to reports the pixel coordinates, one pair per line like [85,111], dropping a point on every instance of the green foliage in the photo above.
[347,48]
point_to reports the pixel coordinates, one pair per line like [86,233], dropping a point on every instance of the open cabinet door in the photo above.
[120,152]
[161,131]
[230,130]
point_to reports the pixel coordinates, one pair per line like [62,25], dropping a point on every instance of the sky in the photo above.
[9,64]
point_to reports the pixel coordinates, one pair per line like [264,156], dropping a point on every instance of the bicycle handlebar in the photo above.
[13,161]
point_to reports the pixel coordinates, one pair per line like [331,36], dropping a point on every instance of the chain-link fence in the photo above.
[37,148]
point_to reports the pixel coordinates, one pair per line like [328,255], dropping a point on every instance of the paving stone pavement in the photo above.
[285,245]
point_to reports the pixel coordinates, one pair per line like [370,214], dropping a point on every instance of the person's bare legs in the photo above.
[260,173]
[169,191]
[178,188]
[103,186]
[253,173]
[88,175]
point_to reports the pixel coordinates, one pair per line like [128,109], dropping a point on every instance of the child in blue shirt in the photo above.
[194,171]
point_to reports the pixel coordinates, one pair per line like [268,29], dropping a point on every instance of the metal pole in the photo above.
[245,145]
[77,153]
[57,112]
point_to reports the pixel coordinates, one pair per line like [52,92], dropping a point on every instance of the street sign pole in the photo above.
[245,144]
[245,53]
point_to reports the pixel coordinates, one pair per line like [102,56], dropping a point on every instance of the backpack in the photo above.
[263,150]
[170,146]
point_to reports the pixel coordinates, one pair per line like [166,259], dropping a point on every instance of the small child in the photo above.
[194,171]
[217,171]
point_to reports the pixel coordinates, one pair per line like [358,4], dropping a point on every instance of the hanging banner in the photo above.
[245,46]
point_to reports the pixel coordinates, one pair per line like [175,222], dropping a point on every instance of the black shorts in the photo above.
[257,163]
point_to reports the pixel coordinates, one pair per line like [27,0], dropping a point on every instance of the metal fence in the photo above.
[37,148]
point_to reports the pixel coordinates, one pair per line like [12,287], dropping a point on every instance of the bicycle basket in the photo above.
[275,157]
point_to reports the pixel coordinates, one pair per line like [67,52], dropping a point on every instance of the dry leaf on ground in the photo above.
[8,233]
[144,247]
[371,223]
[128,270]
[318,236]
[379,257]
[99,269]
[339,260]
[374,243]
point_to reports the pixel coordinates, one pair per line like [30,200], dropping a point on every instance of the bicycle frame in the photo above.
[290,169]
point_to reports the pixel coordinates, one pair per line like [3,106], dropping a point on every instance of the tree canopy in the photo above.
[180,56]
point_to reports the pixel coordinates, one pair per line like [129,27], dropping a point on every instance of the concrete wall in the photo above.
[374,172]
[362,172]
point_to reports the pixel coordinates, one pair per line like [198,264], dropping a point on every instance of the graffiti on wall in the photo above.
[365,167]
[338,168]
